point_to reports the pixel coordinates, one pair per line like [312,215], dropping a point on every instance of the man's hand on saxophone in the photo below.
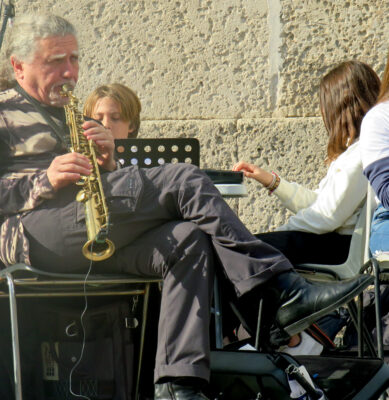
[104,141]
[68,168]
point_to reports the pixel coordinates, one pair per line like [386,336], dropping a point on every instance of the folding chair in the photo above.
[355,264]
[24,281]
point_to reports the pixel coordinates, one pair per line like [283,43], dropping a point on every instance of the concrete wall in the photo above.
[241,75]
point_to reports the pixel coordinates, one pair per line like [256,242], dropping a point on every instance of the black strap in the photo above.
[45,114]
[9,12]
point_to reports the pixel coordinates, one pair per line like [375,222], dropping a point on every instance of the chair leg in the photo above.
[259,324]
[378,313]
[360,326]
[146,297]
[15,338]
[218,314]
[367,339]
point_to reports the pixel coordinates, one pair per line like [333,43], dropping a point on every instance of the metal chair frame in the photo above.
[379,264]
[37,283]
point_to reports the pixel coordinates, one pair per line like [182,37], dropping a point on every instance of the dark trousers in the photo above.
[304,247]
[178,228]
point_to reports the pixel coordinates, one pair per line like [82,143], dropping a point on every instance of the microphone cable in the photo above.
[81,396]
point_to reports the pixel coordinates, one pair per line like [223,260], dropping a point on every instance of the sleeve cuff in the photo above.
[43,187]
[285,189]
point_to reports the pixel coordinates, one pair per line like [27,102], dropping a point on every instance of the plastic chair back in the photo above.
[356,256]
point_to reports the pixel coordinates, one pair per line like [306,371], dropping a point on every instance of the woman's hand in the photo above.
[254,172]
[104,141]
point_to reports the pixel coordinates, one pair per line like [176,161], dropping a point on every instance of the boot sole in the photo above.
[304,323]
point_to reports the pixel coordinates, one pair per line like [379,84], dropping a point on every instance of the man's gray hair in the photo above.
[22,40]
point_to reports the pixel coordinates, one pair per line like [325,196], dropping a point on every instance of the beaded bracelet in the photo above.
[274,184]
[271,184]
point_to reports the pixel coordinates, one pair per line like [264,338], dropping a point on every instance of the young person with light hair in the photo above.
[325,218]
[117,107]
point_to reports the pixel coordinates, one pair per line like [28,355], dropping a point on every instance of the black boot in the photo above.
[299,303]
[175,391]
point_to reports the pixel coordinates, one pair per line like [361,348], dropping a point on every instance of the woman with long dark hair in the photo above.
[320,229]
[324,219]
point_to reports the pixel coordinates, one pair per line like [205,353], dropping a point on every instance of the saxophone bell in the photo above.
[98,247]
[96,250]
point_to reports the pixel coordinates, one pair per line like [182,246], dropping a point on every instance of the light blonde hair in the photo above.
[127,100]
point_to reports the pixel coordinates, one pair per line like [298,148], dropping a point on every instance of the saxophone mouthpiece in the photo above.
[67,87]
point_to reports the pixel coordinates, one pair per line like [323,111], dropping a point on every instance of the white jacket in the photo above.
[335,205]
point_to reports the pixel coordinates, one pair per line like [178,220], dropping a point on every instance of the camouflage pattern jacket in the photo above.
[27,146]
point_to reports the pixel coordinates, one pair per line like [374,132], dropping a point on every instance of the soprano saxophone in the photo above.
[98,247]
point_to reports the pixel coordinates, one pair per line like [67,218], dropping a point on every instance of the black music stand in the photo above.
[148,153]
[154,152]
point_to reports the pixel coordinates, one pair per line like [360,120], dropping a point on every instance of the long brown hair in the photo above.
[384,91]
[347,92]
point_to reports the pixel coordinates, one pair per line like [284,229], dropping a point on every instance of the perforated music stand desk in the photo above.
[153,152]
[148,153]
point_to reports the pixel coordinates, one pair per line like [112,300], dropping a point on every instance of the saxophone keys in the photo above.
[82,196]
